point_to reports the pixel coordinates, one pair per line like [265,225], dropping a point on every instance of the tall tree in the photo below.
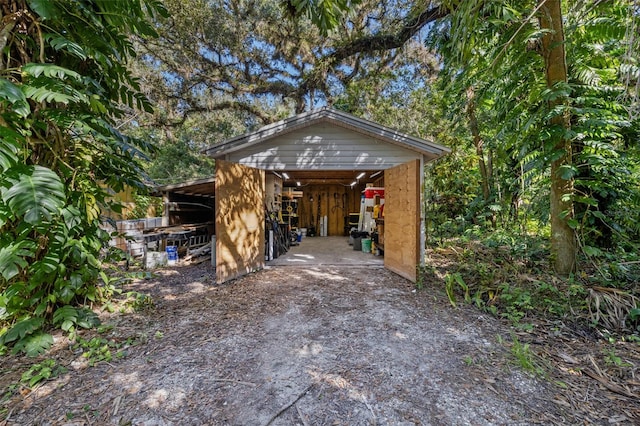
[550,101]
[563,239]
[251,56]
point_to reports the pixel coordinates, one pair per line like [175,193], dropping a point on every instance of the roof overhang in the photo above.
[197,188]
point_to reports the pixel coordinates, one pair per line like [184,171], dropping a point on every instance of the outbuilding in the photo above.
[313,170]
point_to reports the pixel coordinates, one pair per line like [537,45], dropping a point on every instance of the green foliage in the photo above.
[634,316]
[96,350]
[507,275]
[100,349]
[42,371]
[611,358]
[325,14]
[26,336]
[424,273]
[33,344]
[517,301]
[67,317]
[450,283]
[145,205]
[499,58]
[504,274]
[63,84]
[33,193]
[180,159]
[139,301]
[524,358]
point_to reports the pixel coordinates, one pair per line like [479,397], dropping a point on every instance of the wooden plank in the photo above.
[336,202]
[402,219]
[240,234]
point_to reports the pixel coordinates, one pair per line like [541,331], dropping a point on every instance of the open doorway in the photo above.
[320,213]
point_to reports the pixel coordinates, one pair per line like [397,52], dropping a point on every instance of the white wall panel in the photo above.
[323,146]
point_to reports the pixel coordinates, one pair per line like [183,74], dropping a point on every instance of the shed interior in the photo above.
[305,198]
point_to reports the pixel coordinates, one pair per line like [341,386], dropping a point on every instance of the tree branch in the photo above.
[220,106]
[378,42]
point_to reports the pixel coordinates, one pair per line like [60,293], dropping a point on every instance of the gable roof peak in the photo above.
[336,117]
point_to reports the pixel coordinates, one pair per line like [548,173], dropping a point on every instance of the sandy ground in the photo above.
[298,345]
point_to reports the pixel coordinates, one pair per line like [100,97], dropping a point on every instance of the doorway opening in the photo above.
[325,215]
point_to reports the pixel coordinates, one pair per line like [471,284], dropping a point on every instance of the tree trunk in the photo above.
[563,238]
[477,141]
[485,171]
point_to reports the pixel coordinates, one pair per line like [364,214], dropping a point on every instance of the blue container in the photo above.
[172,254]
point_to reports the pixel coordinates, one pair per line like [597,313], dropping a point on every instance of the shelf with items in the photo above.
[273,193]
[380,231]
[289,193]
[290,200]
[290,212]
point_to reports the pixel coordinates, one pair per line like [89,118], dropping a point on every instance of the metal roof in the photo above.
[386,134]
[197,187]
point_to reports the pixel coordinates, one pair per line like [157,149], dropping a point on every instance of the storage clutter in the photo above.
[296,215]
[282,213]
[356,239]
[368,235]
[371,206]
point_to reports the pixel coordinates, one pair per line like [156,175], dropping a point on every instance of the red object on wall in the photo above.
[372,192]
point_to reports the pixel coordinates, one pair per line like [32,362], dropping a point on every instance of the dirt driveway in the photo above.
[296,346]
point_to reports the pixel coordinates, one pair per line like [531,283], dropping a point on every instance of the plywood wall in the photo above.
[239,220]
[402,219]
[334,201]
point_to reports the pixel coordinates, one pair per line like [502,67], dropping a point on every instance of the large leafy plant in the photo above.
[497,49]
[63,83]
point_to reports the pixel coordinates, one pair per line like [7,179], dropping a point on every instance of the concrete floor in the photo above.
[315,251]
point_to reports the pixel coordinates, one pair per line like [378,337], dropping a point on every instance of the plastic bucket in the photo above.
[172,255]
[366,245]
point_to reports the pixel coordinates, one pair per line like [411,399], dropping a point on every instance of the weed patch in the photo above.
[100,349]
